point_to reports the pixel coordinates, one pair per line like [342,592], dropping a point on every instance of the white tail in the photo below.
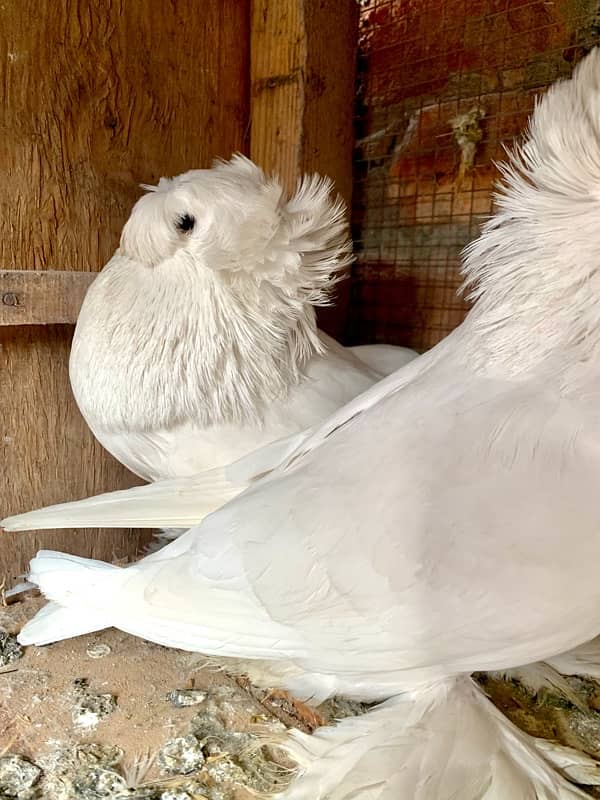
[54,623]
[177,503]
[447,742]
[69,579]
[66,579]
[101,595]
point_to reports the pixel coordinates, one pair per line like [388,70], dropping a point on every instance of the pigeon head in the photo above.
[238,224]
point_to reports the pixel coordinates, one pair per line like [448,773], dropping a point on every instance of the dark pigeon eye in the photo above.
[185,223]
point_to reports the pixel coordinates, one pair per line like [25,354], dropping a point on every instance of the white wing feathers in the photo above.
[178,503]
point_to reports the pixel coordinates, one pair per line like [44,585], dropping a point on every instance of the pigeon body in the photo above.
[443,522]
[197,343]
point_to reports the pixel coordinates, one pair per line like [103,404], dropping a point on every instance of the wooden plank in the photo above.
[42,297]
[277,64]
[86,118]
[302,56]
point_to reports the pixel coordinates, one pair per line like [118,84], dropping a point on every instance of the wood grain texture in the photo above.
[278,57]
[302,97]
[48,453]
[96,98]
[42,297]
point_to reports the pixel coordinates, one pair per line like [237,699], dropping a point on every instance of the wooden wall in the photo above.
[98,97]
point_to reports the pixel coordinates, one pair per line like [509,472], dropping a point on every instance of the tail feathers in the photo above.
[180,503]
[74,581]
[441,743]
[142,599]
[82,590]
[54,623]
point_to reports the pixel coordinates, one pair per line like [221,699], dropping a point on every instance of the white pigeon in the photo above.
[442,523]
[198,343]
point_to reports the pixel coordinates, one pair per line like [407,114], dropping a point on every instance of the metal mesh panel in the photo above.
[442,86]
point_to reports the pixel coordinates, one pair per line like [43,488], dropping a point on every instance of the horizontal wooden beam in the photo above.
[42,297]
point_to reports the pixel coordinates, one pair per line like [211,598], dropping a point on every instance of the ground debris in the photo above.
[19,778]
[90,706]
[181,756]
[10,649]
[233,756]
[97,782]
[181,698]
[98,650]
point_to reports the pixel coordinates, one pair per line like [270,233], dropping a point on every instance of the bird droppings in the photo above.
[181,756]
[178,795]
[83,772]
[94,755]
[10,649]
[96,772]
[98,650]
[90,707]
[98,783]
[181,698]
[18,778]
[468,133]
[231,753]
[224,756]
[185,790]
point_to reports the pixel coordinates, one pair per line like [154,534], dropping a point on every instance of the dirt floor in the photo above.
[111,716]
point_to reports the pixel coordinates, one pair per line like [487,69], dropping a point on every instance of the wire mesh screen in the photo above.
[442,86]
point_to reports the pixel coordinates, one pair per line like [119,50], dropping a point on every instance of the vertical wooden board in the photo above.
[331,30]
[328,126]
[302,94]
[96,98]
[278,57]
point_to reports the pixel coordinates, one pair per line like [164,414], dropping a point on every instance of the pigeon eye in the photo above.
[185,223]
